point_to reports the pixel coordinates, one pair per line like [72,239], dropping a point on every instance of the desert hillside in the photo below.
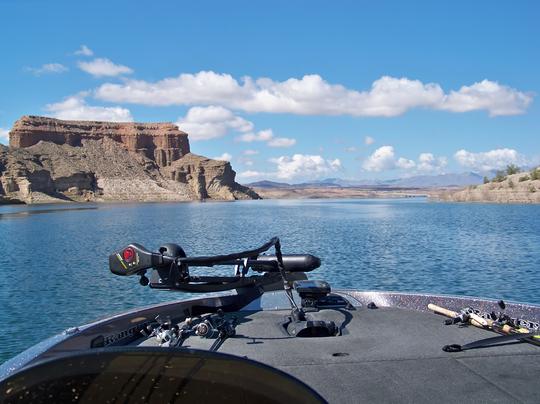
[506,187]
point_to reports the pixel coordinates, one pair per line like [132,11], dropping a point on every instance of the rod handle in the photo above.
[480,322]
[442,310]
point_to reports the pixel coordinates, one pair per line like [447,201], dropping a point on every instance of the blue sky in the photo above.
[290,90]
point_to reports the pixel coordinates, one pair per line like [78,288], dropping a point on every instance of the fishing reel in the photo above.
[215,326]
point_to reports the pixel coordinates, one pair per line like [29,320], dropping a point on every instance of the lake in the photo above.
[54,258]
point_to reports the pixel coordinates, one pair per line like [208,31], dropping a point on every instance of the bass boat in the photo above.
[267,333]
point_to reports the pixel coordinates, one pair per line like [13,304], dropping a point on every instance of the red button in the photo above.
[128,254]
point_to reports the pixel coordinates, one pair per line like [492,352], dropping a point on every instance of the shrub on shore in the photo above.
[512,169]
[499,176]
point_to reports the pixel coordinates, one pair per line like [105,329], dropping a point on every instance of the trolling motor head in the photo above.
[171,267]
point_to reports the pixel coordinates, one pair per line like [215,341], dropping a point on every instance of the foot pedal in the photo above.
[312,329]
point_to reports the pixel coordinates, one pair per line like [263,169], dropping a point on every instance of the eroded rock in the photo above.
[54,160]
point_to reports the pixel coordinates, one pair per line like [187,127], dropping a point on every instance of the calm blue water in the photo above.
[54,258]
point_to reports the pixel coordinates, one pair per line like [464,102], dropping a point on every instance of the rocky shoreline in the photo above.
[338,193]
[51,160]
[521,187]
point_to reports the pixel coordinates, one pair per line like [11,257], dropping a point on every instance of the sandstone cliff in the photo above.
[162,142]
[52,160]
[516,188]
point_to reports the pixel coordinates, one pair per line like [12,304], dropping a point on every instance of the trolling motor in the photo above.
[171,270]
[171,267]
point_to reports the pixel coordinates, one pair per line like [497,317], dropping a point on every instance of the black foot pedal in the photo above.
[312,329]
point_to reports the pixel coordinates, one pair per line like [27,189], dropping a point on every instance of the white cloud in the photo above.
[281,142]
[312,95]
[250,152]
[368,140]
[404,163]
[4,136]
[48,68]
[84,51]
[251,174]
[261,136]
[102,67]
[76,108]
[304,166]
[384,158]
[267,136]
[225,157]
[490,160]
[351,149]
[487,95]
[203,123]
[427,162]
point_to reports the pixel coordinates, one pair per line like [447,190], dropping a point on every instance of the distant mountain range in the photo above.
[417,181]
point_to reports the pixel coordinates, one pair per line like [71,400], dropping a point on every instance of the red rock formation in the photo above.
[161,142]
[51,160]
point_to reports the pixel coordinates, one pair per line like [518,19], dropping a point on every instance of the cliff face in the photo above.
[52,160]
[162,142]
[516,188]
[213,179]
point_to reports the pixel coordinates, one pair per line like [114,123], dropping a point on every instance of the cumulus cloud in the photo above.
[404,163]
[48,68]
[267,136]
[304,166]
[84,51]
[203,123]
[429,163]
[384,158]
[225,157]
[490,160]
[102,67]
[368,140]
[312,95]
[487,95]
[76,108]
[4,136]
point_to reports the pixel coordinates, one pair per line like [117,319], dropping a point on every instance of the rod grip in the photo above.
[480,322]
[442,310]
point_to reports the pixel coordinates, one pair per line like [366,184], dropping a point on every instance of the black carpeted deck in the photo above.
[390,355]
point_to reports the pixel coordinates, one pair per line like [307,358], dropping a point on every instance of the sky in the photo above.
[290,91]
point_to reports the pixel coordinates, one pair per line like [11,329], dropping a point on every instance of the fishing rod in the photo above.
[511,329]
